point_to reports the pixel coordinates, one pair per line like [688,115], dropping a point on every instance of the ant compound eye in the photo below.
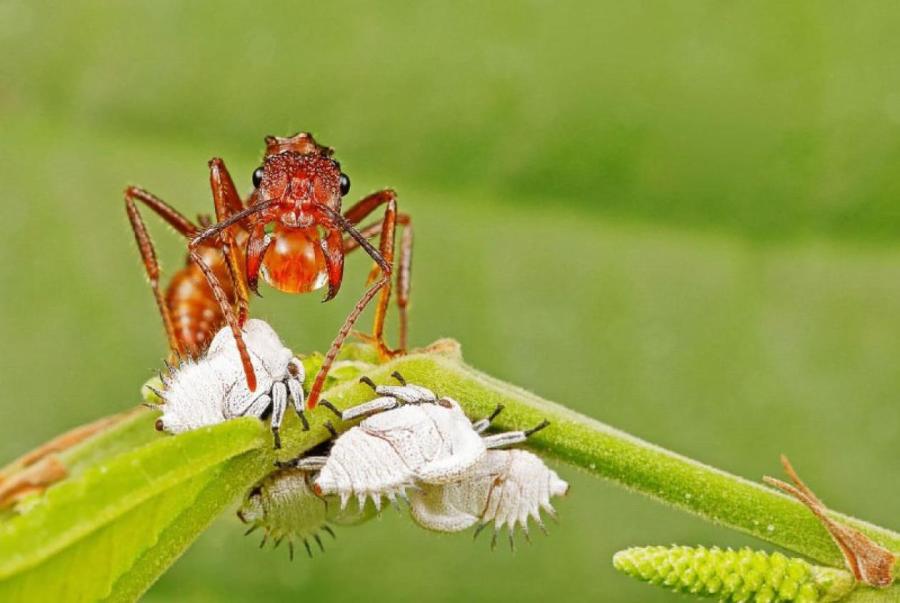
[345,184]
[257,177]
[159,425]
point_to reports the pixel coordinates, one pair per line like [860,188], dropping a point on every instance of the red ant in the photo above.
[298,189]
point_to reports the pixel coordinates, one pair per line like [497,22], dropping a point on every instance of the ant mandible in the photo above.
[298,190]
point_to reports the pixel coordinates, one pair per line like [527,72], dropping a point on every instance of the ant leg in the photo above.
[148,253]
[363,208]
[216,286]
[404,263]
[227,202]
[403,269]
[230,317]
[404,278]
[172,216]
[367,296]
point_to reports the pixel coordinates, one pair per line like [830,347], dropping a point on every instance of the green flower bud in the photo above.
[736,576]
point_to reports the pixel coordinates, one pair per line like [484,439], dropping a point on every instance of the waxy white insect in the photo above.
[506,488]
[284,505]
[213,389]
[409,437]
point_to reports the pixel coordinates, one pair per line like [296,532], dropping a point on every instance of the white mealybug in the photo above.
[506,488]
[284,505]
[409,437]
[213,389]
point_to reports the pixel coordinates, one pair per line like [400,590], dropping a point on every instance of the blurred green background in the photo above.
[681,219]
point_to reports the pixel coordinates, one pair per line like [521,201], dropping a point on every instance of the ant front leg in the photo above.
[333,248]
[218,292]
[387,230]
[148,254]
[228,311]
[227,203]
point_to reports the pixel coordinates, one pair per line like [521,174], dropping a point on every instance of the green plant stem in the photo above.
[686,484]
[173,487]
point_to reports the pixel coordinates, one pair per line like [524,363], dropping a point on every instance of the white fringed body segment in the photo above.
[391,451]
[213,388]
[506,488]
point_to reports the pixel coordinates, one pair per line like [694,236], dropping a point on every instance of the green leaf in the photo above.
[96,525]
[218,487]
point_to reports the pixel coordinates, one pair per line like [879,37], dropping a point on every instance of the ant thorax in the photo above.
[212,388]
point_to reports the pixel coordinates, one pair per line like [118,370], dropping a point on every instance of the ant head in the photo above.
[299,174]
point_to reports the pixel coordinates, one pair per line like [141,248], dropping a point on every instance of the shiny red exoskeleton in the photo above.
[292,232]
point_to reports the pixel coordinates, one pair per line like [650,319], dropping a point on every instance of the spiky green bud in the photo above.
[737,576]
